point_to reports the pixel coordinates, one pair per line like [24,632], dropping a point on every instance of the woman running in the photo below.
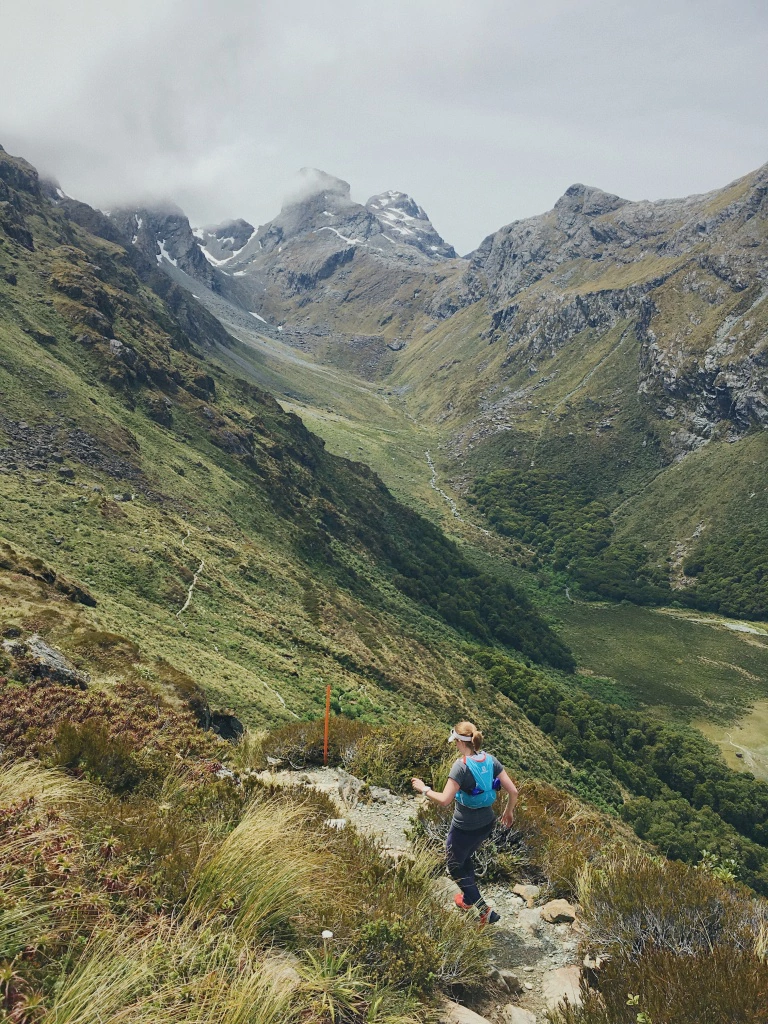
[473,782]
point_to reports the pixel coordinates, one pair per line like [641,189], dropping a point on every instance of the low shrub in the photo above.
[382,755]
[635,902]
[677,945]
[562,835]
[390,756]
[112,760]
[301,743]
[553,838]
[706,987]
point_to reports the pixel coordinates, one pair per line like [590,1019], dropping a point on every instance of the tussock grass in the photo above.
[263,874]
[24,781]
[23,918]
[107,983]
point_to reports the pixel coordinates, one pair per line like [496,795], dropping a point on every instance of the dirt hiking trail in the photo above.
[534,946]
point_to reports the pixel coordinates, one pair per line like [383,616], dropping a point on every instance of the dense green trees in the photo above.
[731,572]
[571,530]
[683,797]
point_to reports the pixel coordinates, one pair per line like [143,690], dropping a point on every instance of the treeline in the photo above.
[571,530]
[683,798]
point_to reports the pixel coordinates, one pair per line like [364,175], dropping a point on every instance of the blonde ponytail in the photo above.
[468,729]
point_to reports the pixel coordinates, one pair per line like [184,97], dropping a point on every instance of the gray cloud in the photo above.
[484,111]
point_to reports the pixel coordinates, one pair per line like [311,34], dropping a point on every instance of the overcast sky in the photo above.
[483,110]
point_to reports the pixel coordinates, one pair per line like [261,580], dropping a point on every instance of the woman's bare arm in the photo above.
[509,787]
[444,799]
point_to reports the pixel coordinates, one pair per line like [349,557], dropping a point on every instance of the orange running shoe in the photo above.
[458,899]
[489,916]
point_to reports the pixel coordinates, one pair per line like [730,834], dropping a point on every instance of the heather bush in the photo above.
[112,760]
[720,986]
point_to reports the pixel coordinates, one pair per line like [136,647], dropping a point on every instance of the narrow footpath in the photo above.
[535,962]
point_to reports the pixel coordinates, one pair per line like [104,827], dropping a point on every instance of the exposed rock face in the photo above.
[689,277]
[227,725]
[321,228]
[164,234]
[45,662]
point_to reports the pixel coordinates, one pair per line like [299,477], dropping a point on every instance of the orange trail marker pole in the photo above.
[327,717]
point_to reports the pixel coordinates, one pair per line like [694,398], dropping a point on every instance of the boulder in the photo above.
[46,662]
[513,983]
[349,788]
[454,1013]
[562,983]
[227,725]
[517,1015]
[378,794]
[558,912]
[530,893]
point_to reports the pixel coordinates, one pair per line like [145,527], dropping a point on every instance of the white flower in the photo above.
[326,934]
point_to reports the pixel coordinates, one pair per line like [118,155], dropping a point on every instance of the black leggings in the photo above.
[459,848]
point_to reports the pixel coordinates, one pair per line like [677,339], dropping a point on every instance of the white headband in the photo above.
[457,736]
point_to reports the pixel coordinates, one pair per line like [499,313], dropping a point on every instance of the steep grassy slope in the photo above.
[210,526]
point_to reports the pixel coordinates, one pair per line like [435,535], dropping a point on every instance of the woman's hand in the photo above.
[418,784]
[508,817]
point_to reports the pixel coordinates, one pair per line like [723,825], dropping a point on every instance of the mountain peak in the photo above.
[397,213]
[393,202]
[588,200]
[311,182]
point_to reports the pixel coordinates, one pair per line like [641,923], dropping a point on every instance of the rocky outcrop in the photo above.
[164,234]
[38,660]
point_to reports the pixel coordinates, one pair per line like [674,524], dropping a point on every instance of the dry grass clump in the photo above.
[267,871]
[678,946]
[28,782]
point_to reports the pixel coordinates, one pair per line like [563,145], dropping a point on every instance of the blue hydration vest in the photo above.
[484,792]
